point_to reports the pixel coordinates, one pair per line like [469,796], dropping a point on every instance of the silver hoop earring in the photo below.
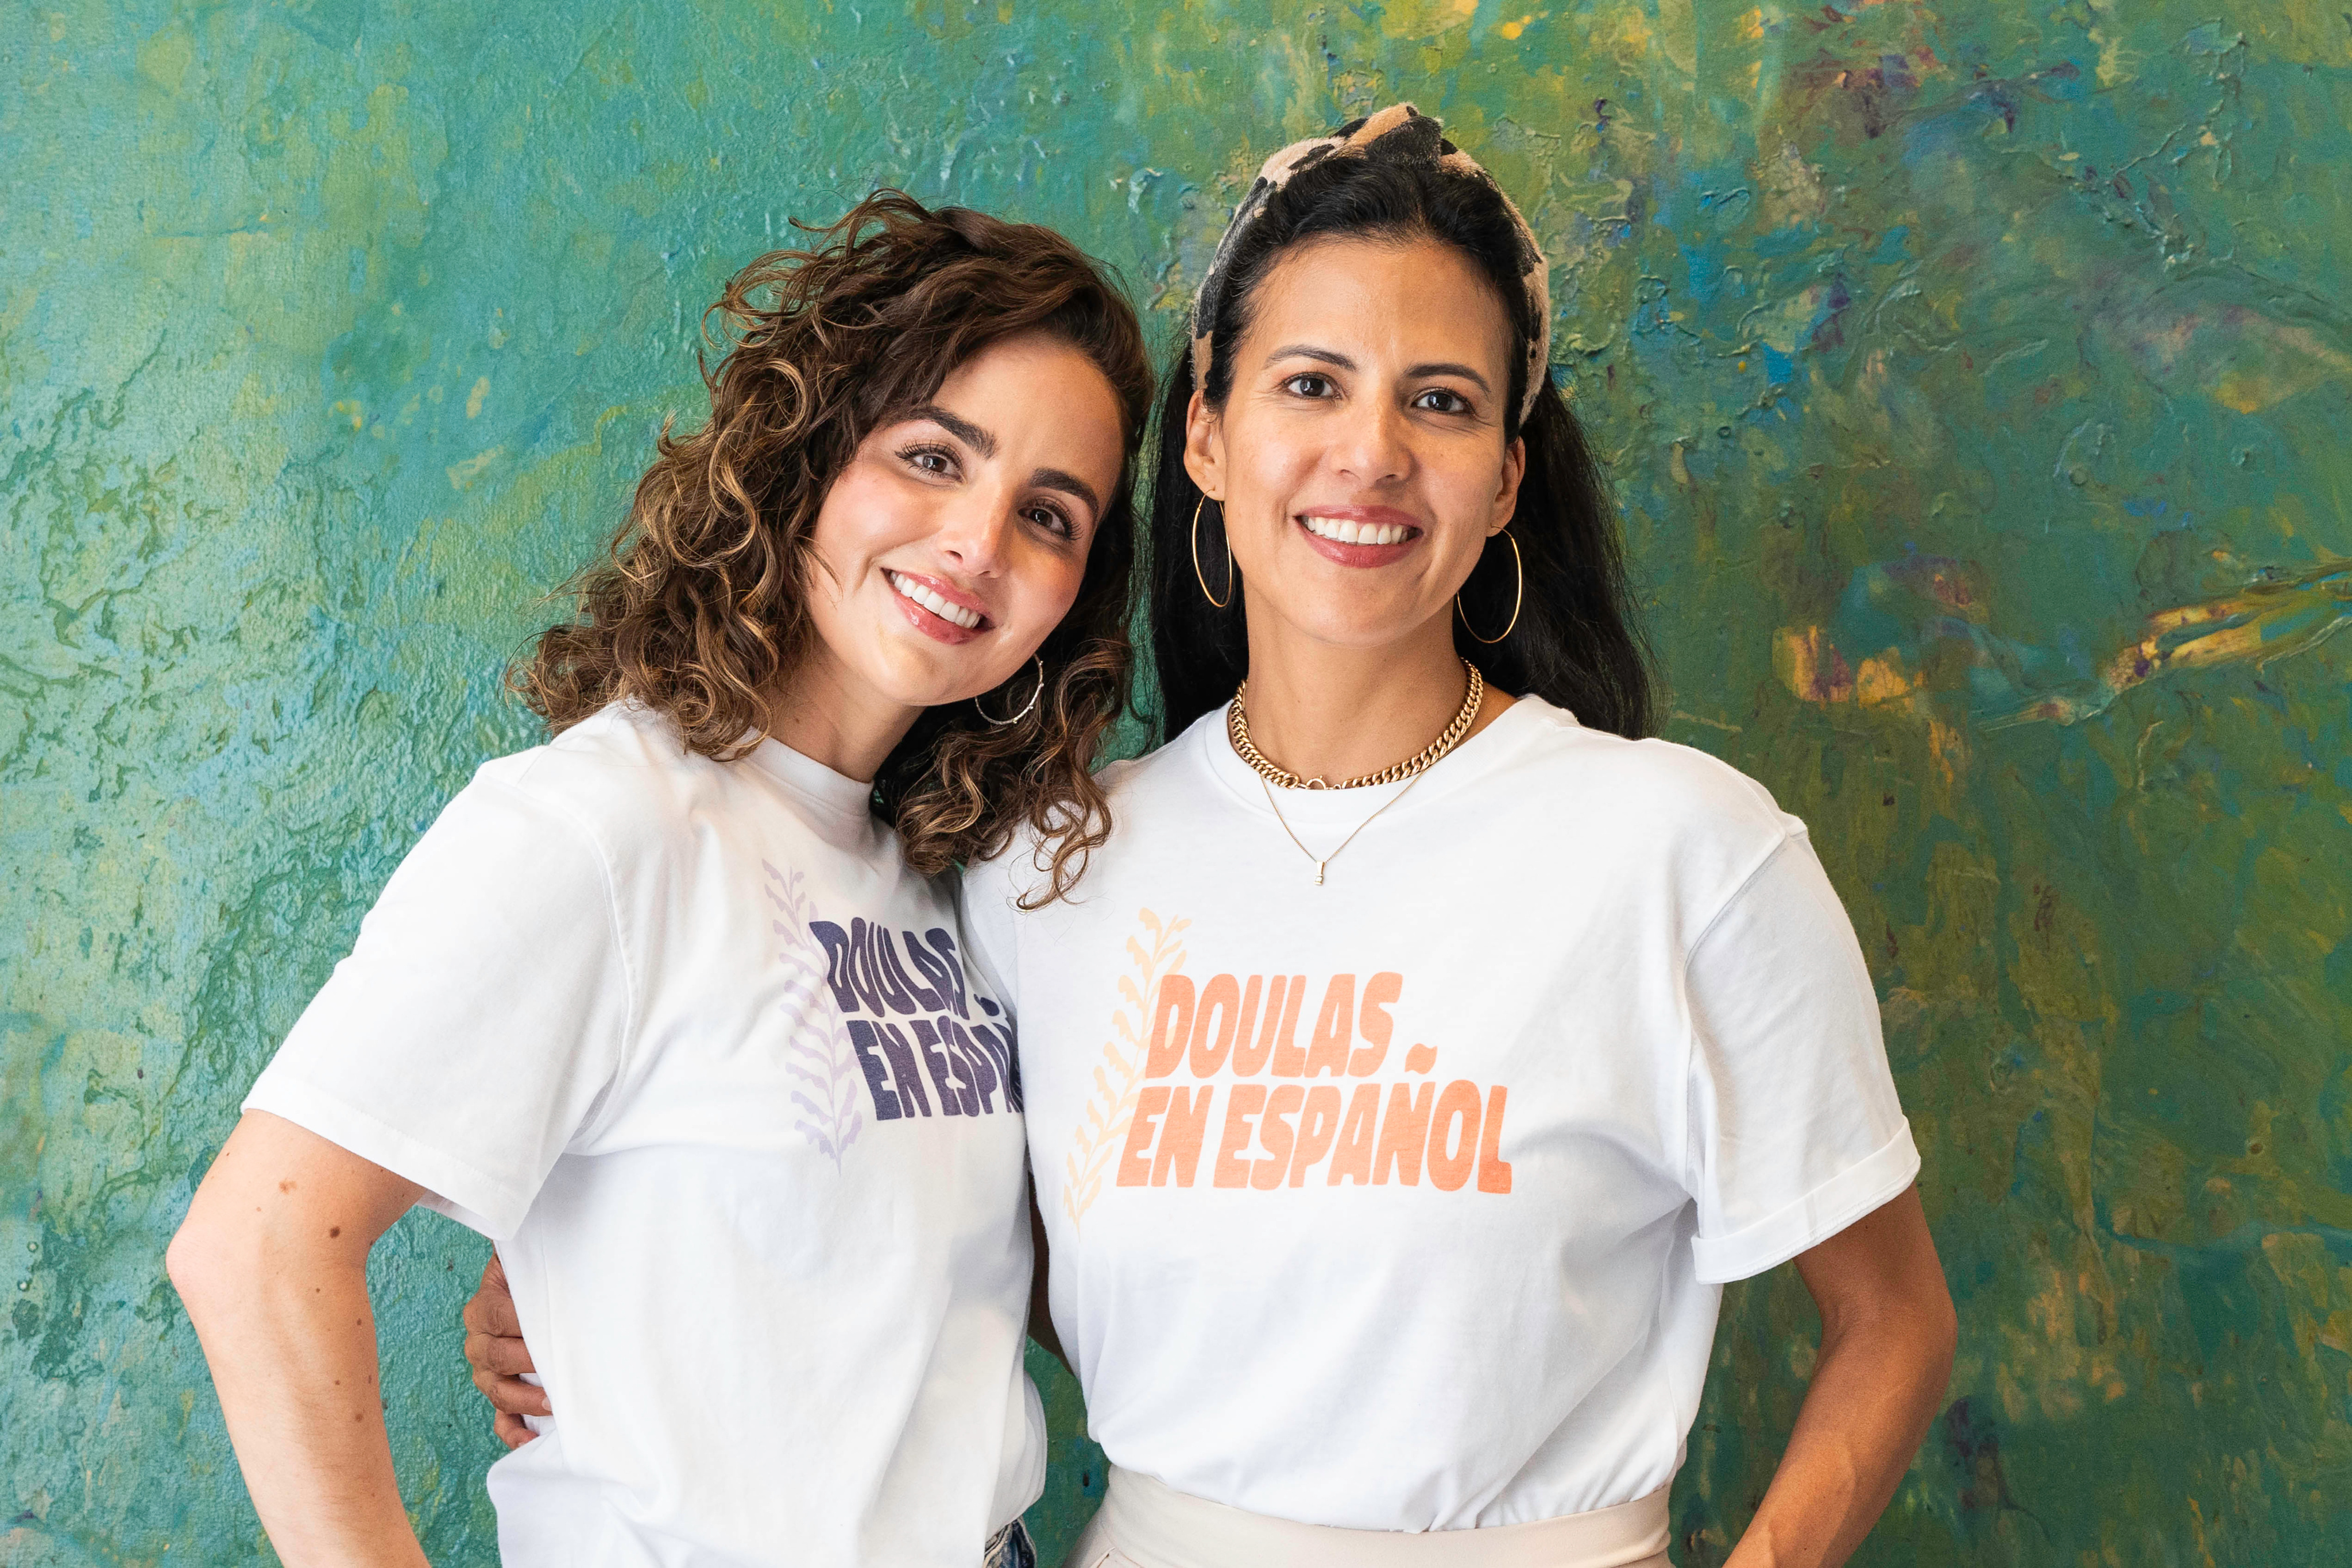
[1024,713]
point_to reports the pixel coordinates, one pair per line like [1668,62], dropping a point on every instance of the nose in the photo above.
[1374,444]
[973,531]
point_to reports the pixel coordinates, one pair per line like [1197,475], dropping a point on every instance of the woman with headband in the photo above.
[1426,1048]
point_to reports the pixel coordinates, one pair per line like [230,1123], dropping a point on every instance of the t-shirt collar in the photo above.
[834,794]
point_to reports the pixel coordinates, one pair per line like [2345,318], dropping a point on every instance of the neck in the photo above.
[839,721]
[1330,712]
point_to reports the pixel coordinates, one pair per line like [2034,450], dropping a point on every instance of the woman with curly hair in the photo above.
[673,1008]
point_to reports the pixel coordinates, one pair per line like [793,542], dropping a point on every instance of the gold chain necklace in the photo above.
[1237,731]
[1409,769]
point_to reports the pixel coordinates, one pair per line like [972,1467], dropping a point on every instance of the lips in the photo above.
[1346,532]
[1360,536]
[937,609]
[942,602]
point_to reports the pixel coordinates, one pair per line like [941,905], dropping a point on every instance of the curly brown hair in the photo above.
[698,608]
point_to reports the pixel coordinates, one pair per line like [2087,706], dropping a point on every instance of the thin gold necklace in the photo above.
[1327,860]
[1410,769]
[1237,731]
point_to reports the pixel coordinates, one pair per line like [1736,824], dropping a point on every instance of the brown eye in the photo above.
[1052,521]
[1309,385]
[1437,400]
[933,460]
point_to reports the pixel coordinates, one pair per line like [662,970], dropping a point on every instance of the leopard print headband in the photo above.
[1402,132]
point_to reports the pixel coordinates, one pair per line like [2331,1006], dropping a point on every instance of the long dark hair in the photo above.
[699,604]
[1578,642]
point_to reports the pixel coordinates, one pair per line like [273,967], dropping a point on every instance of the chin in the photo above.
[920,678]
[1365,626]
[925,693]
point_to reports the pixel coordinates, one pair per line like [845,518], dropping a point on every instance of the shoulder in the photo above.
[1163,769]
[1665,783]
[1128,785]
[1674,801]
[621,779]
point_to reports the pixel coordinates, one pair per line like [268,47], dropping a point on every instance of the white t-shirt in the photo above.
[701,1054]
[1404,1202]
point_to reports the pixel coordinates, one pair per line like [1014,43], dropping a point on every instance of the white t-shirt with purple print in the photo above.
[690,1042]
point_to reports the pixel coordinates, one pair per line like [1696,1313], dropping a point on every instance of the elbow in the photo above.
[1943,1336]
[1931,1339]
[187,1260]
[201,1261]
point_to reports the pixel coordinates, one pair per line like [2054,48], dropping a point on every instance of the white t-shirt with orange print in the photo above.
[1404,1202]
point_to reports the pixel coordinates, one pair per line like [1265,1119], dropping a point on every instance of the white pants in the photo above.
[1144,1524]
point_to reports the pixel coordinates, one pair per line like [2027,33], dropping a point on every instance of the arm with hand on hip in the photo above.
[271,1262]
[1888,1337]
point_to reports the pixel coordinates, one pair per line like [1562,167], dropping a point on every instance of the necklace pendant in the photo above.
[1319,872]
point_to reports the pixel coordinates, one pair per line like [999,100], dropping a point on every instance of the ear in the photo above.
[1506,495]
[1204,446]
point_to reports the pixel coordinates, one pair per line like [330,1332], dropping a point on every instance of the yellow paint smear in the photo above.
[463,474]
[1810,666]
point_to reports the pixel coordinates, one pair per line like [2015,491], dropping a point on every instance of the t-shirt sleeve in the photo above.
[985,907]
[483,1011]
[1795,1130]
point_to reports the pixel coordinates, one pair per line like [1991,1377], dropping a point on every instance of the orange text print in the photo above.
[1262,1136]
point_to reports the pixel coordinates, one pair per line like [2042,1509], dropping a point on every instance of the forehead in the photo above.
[1413,297]
[1037,393]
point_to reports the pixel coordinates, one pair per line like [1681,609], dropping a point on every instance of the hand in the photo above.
[494,1347]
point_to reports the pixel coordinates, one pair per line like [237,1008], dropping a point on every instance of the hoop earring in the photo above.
[1024,713]
[1520,570]
[1197,575]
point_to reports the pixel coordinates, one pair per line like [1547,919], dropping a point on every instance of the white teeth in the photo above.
[910,588]
[1352,533]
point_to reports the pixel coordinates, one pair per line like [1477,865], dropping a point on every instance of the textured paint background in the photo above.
[1975,376]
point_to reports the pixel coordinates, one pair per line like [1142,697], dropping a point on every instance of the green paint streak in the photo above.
[1940,354]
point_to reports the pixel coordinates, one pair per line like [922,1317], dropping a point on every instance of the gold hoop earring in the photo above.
[1197,575]
[1520,570]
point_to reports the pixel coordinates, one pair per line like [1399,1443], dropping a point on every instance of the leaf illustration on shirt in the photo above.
[1118,1075]
[817,1054]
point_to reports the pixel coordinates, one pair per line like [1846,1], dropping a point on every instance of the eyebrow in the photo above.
[1063,479]
[982,441]
[1342,361]
[962,429]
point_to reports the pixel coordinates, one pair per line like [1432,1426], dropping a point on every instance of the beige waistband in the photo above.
[1146,1523]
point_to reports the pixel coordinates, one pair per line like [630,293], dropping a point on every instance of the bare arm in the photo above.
[271,1262]
[1887,1335]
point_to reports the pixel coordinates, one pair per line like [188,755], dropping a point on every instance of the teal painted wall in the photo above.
[1974,375]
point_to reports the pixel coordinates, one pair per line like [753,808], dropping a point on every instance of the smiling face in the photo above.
[1360,456]
[956,537]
